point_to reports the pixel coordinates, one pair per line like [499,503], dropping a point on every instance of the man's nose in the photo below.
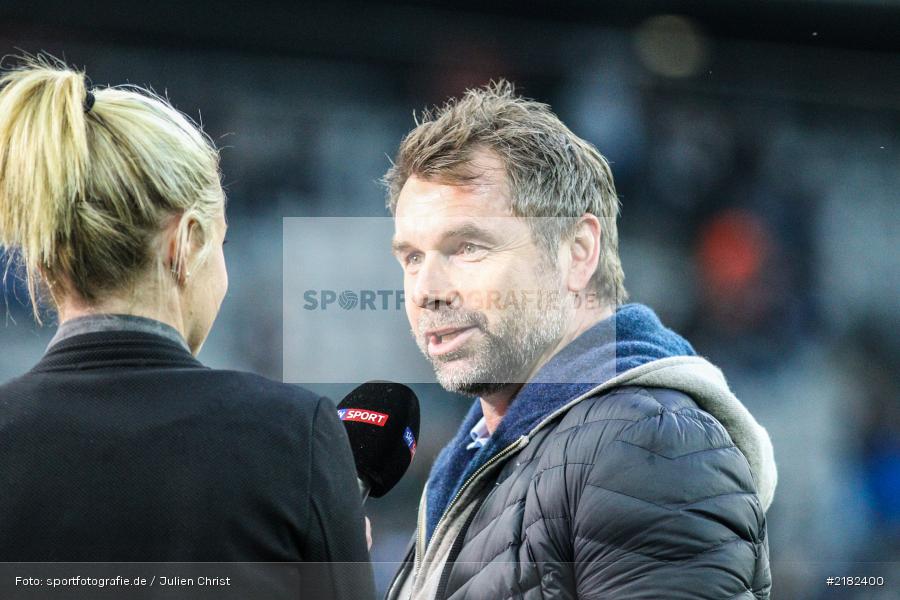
[434,287]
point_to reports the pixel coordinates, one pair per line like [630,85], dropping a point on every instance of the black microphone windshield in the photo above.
[382,421]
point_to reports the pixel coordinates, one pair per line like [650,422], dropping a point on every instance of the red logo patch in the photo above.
[363,416]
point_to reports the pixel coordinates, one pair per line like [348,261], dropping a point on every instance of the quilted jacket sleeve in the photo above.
[668,509]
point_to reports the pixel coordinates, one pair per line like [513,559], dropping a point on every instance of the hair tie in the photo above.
[89,101]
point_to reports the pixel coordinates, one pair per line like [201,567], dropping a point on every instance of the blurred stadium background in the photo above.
[756,149]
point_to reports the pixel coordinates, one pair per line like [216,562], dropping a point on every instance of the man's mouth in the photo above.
[447,339]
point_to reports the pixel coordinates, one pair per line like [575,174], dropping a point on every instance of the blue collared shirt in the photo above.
[480,435]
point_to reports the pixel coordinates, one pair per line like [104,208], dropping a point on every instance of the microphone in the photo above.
[382,422]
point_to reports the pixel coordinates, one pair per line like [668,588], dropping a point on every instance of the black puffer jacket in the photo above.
[624,469]
[635,493]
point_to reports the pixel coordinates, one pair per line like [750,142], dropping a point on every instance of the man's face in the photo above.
[483,300]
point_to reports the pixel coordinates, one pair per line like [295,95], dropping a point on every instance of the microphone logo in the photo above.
[410,440]
[363,416]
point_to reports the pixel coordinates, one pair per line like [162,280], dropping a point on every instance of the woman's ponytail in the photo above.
[44,159]
[86,180]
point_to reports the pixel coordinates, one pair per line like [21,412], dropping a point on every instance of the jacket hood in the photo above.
[706,385]
[630,348]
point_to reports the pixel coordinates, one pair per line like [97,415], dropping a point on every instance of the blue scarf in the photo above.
[632,337]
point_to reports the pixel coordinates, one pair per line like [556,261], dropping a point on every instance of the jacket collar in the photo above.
[115,349]
[116,322]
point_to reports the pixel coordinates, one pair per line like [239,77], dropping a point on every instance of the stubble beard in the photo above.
[503,356]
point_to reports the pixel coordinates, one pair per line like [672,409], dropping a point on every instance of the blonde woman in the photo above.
[119,445]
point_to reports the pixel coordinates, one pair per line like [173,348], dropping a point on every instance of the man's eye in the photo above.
[470,248]
[414,258]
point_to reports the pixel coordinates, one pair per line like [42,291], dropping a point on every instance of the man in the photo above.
[601,458]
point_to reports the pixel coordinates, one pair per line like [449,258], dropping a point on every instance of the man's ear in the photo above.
[584,252]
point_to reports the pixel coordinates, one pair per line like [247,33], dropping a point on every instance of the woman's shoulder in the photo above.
[250,387]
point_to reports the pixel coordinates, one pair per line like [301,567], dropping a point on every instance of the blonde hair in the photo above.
[554,176]
[84,190]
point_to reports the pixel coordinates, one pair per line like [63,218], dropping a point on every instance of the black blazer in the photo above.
[120,446]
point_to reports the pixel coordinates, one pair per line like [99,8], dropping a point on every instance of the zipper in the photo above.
[514,446]
[420,532]
[518,444]
[455,549]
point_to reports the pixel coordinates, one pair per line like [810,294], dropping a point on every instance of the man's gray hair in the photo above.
[554,176]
